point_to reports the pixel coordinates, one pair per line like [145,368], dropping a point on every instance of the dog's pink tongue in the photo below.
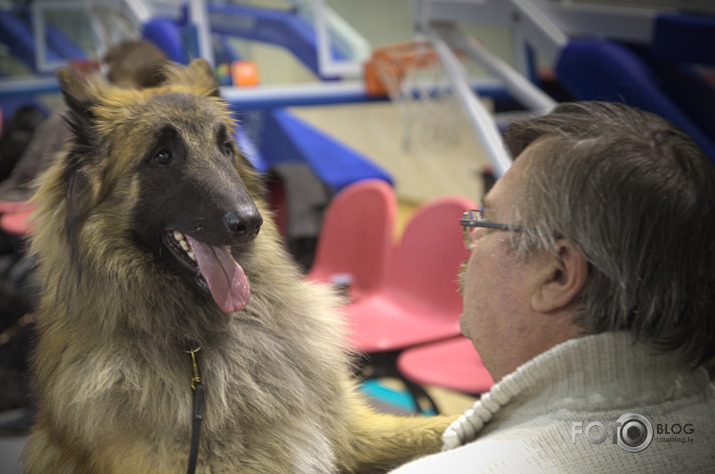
[224,276]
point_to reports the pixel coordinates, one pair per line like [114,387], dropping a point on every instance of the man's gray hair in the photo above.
[637,195]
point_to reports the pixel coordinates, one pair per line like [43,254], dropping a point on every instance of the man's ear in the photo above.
[560,279]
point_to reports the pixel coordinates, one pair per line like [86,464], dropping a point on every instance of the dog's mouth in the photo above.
[215,269]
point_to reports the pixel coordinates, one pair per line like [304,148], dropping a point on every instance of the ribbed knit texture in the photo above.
[525,423]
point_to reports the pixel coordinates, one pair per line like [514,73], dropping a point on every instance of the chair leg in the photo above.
[384,364]
[418,393]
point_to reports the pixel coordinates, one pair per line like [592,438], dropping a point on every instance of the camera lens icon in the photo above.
[635,432]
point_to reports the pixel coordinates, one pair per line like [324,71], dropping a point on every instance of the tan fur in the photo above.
[112,374]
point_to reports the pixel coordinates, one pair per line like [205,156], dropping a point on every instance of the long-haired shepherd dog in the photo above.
[152,241]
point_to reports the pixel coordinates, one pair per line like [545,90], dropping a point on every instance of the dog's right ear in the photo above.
[80,101]
[197,75]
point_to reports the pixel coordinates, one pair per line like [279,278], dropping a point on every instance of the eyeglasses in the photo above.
[475,218]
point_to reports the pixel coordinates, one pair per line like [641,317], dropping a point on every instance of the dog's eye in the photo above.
[163,157]
[227,148]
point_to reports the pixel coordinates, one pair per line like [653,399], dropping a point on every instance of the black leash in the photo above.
[198,387]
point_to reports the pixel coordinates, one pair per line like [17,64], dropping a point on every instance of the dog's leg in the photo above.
[380,442]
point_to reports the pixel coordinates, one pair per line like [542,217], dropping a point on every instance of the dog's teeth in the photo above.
[181,239]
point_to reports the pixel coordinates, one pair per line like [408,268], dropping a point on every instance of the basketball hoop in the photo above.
[412,76]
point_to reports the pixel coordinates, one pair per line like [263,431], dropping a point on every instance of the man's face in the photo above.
[497,287]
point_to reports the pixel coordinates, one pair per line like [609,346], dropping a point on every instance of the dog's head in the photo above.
[161,165]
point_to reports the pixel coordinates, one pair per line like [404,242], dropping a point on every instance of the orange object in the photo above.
[244,73]
[387,66]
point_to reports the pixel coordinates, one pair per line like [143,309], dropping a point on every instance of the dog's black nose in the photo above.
[244,225]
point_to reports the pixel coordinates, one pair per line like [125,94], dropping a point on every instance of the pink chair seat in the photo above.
[16,223]
[452,364]
[420,301]
[388,322]
[14,206]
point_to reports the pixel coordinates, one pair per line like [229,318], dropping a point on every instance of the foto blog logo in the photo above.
[633,432]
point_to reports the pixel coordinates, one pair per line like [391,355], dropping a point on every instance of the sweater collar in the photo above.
[593,372]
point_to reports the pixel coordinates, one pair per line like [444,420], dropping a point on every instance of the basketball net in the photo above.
[412,76]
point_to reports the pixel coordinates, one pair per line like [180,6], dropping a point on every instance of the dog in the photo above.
[161,267]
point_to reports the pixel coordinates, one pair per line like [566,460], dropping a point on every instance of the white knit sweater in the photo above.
[526,422]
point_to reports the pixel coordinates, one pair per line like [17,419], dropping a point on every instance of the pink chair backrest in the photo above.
[426,261]
[356,235]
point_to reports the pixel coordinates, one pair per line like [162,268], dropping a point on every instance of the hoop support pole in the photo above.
[520,87]
[478,115]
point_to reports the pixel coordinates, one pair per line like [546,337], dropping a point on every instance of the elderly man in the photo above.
[589,295]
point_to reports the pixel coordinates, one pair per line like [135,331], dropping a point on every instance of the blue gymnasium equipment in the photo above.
[653,59]
[659,77]
[284,137]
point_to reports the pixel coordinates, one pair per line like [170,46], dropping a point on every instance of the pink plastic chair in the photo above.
[16,223]
[14,217]
[355,240]
[452,364]
[14,206]
[420,301]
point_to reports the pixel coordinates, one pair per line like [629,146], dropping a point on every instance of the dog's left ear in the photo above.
[78,97]
[75,90]
[198,75]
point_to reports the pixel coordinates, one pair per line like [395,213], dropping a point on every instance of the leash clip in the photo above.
[196,378]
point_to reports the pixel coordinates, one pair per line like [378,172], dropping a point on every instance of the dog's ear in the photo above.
[204,76]
[80,101]
[74,89]
[80,119]
[198,75]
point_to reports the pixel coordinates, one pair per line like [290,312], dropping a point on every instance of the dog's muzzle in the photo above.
[217,269]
